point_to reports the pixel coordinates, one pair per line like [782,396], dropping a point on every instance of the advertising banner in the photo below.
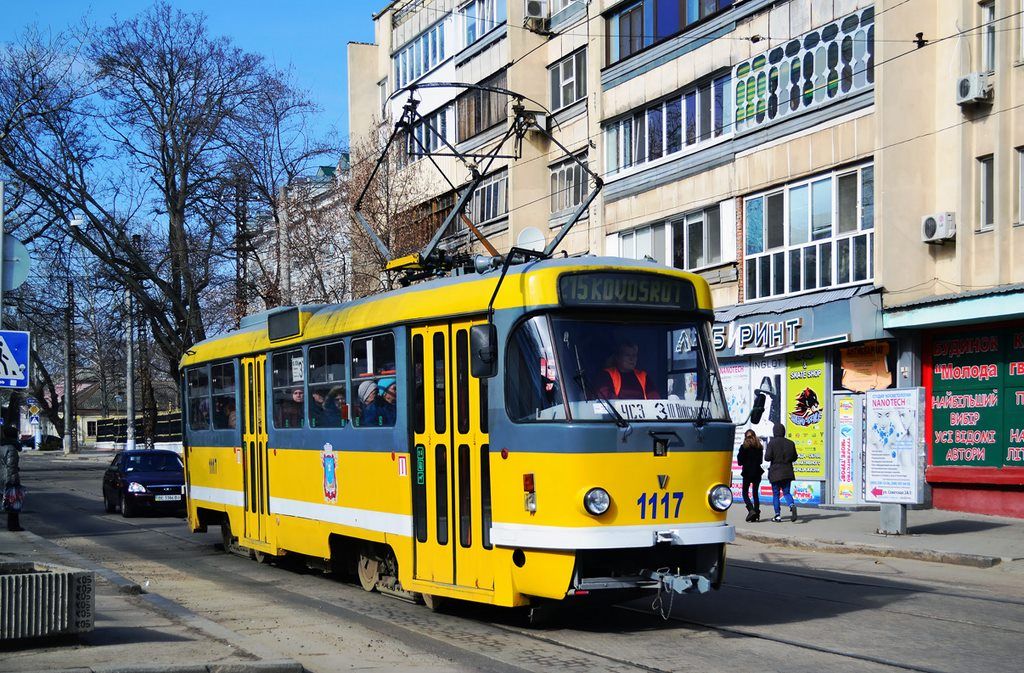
[738,398]
[847,444]
[894,450]
[805,420]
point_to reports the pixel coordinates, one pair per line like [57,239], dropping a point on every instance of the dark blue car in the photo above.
[147,478]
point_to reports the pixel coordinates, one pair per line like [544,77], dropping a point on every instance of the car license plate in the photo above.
[161,498]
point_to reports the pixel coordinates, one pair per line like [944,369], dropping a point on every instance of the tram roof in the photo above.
[529,285]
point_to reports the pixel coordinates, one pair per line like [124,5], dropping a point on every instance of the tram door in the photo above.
[254,447]
[451,463]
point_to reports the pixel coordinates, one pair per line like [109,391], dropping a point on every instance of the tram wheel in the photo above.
[369,570]
[435,603]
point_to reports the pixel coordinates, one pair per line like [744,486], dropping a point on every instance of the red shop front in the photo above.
[974,378]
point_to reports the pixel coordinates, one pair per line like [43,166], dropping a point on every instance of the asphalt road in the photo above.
[779,610]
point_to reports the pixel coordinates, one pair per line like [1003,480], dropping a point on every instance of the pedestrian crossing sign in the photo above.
[14,353]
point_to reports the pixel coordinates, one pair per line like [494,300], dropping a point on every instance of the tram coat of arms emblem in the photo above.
[330,464]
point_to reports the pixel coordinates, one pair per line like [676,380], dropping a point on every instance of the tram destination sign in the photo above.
[626,290]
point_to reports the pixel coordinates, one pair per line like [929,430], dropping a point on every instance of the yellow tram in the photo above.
[552,433]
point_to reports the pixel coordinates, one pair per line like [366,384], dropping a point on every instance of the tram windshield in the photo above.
[568,368]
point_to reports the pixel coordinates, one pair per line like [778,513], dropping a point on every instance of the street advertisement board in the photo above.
[847,446]
[894,447]
[805,418]
[740,379]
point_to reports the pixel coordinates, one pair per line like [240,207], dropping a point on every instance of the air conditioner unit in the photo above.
[536,9]
[973,88]
[938,227]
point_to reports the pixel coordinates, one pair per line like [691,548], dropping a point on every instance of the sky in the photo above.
[309,37]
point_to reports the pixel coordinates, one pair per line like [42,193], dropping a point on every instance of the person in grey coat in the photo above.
[781,454]
[10,475]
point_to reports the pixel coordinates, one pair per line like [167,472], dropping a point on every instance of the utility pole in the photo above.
[129,390]
[1,254]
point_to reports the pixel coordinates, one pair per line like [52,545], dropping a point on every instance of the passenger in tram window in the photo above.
[230,414]
[290,410]
[336,403]
[380,410]
[324,411]
[622,380]
[367,399]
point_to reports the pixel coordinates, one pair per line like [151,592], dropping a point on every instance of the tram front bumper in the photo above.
[691,536]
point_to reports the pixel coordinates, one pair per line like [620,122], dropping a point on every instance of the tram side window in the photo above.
[531,379]
[374,381]
[289,392]
[198,399]
[328,407]
[222,379]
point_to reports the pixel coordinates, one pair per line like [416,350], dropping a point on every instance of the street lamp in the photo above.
[70,434]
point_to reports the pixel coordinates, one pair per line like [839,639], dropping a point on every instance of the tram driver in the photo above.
[622,380]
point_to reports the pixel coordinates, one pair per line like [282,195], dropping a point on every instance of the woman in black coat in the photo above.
[10,476]
[781,453]
[750,457]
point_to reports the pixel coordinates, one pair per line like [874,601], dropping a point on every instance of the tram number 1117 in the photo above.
[659,505]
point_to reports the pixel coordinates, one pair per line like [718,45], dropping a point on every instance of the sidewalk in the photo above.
[933,535]
[134,631]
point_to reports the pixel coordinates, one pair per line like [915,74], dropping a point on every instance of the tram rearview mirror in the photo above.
[758,409]
[483,348]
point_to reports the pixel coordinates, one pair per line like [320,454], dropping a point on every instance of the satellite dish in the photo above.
[530,239]
[16,263]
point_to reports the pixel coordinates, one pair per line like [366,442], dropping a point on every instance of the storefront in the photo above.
[801,353]
[972,368]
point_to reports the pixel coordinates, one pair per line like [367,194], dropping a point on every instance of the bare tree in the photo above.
[389,205]
[136,132]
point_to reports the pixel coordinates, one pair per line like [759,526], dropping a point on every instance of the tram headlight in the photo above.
[720,498]
[597,501]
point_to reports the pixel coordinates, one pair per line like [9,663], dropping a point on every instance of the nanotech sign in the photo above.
[757,337]
[894,446]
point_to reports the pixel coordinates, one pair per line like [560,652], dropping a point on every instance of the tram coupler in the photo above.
[680,584]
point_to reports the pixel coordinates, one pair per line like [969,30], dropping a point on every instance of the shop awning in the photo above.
[961,308]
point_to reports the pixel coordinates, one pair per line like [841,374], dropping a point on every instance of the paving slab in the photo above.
[134,631]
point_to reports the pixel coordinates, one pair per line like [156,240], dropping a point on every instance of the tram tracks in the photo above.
[488,639]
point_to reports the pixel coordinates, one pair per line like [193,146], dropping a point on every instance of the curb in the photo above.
[284,666]
[269,661]
[838,547]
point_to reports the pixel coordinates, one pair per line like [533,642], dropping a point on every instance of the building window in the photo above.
[646,243]
[825,64]
[382,89]
[988,36]
[559,5]
[90,428]
[697,239]
[986,193]
[421,55]
[478,110]
[811,234]
[427,135]
[646,22]
[568,184]
[1020,185]
[481,16]
[697,114]
[490,200]
[568,80]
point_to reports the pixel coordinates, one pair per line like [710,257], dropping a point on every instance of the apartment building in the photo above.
[745,140]
[950,152]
